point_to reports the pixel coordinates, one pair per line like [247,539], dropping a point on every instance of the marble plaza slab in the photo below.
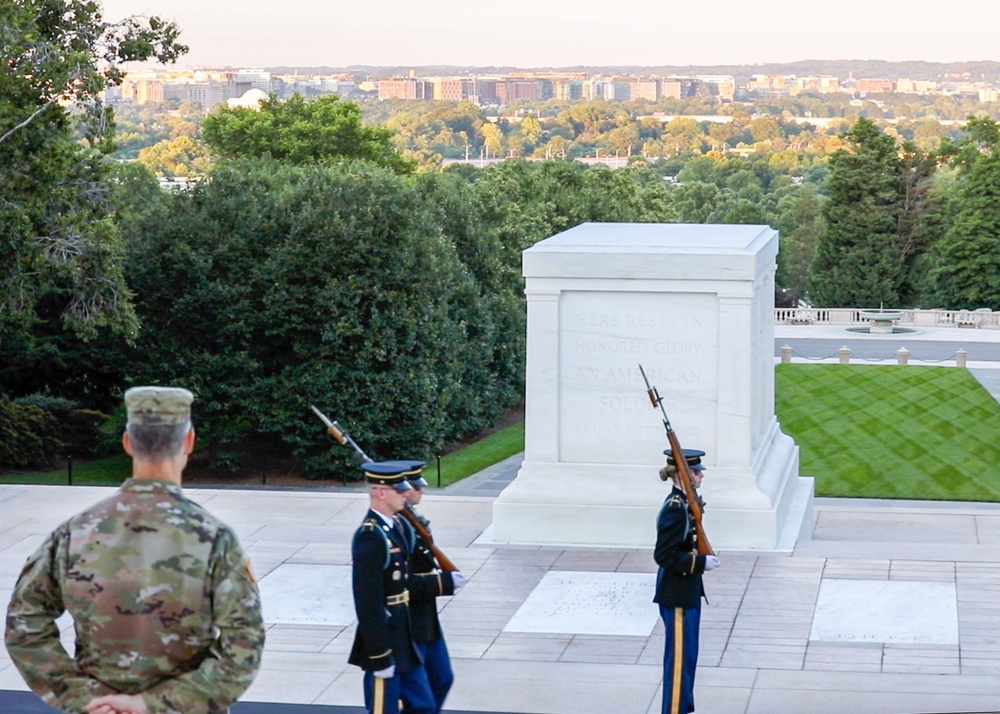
[305,593]
[589,604]
[897,611]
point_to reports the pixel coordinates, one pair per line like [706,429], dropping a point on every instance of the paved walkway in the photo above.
[891,608]
[761,650]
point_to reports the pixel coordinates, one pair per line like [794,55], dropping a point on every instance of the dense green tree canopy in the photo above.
[967,260]
[58,243]
[271,287]
[301,132]
[874,222]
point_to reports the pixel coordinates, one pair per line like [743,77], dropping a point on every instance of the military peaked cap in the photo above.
[388,473]
[692,456]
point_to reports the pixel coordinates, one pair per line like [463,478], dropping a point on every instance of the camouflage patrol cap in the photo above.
[158,406]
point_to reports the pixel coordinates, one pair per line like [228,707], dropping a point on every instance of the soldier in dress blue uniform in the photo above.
[434,582]
[383,644]
[679,589]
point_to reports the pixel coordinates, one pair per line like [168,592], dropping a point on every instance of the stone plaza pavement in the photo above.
[892,607]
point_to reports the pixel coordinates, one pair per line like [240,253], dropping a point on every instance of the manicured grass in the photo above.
[109,471]
[864,431]
[474,458]
[904,432]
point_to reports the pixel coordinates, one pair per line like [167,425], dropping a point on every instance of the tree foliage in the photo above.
[272,287]
[301,132]
[967,258]
[59,246]
[875,221]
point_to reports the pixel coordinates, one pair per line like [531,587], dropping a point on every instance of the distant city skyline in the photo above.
[561,33]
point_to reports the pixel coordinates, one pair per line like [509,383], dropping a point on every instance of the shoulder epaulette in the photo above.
[373,524]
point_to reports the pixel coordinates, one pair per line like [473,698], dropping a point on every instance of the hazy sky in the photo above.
[557,33]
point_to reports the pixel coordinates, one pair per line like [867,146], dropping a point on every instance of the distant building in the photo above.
[513,89]
[404,88]
[255,78]
[915,86]
[567,89]
[647,88]
[670,88]
[874,86]
[207,94]
[148,91]
[252,99]
[451,89]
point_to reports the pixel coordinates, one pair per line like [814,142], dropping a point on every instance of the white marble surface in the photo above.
[308,594]
[589,604]
[897,611]
[605,416]
[694,305]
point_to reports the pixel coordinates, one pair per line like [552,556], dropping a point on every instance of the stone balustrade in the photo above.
[983,318]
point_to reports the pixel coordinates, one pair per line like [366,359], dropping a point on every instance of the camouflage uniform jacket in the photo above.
[163,602]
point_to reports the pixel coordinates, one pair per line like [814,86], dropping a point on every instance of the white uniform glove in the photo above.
[711,563]
[458,580]
[386,673]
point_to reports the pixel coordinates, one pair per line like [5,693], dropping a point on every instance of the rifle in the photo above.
[344,439]
[341,435]
[442,559]
[694,503]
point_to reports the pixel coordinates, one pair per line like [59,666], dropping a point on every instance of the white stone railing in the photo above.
[984,318]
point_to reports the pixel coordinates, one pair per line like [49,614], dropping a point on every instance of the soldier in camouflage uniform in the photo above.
[165,606]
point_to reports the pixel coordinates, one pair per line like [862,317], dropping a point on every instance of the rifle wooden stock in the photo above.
[344,439]
[440,557]
[683,472]
[694,505]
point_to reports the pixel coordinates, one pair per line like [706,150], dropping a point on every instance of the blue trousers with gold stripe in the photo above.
[680,657]
[439,672]
[383,696]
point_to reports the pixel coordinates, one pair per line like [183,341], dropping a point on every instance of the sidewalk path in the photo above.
[891,608]
[770,640]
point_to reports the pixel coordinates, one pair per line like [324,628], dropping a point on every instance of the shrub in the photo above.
[29,435]
[77,430]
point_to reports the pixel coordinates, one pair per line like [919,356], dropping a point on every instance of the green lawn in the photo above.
[109,471]
[910,432]
[866,431]
[474,458]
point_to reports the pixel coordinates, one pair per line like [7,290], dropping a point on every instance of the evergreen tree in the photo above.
[967,258]
[875,222]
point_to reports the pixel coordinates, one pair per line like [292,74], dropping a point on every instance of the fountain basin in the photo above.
[881,320]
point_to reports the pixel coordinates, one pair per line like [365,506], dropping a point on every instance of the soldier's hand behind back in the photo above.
[117,704]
